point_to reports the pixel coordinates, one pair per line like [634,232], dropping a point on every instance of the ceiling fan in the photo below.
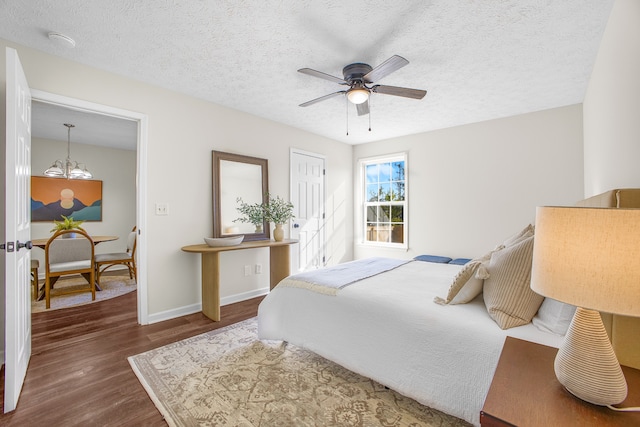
[360,78]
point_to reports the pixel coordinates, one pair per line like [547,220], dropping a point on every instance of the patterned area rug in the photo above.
[112,286]
[228,377]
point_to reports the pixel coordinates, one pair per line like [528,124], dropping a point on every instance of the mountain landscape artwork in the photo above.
[53,197]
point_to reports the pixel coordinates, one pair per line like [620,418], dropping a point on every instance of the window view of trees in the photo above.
[385,201]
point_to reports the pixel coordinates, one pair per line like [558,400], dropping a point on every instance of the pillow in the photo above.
[433,258]
[507,294]
[466,284]
[460,261]
[525,233]
[554,316]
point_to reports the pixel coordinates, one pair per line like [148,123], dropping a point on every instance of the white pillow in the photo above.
[467,284]
[554,316]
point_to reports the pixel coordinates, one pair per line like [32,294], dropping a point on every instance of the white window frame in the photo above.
[362,164]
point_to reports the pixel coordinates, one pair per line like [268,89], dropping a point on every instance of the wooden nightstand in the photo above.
[525,393]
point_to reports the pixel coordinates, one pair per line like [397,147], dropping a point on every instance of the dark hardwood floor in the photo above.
[79,374]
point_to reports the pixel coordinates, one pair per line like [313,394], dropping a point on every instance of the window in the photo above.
[385,201]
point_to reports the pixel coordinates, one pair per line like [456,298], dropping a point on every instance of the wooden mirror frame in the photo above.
[217,184]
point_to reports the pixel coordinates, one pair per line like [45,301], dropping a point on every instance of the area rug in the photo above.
[228,377]
[112,286]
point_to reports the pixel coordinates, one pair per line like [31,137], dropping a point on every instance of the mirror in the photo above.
[236,176]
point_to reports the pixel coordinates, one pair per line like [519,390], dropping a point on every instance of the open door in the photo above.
[17,231]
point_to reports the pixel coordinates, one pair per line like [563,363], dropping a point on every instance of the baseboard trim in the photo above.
[243,296]
[194,308]
[176,312]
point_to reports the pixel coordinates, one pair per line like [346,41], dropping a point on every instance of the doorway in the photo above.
[98,110]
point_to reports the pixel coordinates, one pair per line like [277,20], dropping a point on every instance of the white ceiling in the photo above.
[89,128]
[478,60]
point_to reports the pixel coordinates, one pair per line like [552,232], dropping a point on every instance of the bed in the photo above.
[388,326]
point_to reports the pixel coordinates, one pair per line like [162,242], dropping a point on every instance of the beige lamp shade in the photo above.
[588,257]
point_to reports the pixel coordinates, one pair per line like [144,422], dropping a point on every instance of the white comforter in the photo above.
[388,328]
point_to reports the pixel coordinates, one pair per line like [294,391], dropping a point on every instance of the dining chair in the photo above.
[35,265]
[65,255]
[127,258]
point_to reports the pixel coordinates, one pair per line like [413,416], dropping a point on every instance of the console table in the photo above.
[278,267]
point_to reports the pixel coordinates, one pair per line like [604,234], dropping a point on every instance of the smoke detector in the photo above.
[62,39]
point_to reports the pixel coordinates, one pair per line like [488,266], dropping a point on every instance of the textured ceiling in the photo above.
[478,60]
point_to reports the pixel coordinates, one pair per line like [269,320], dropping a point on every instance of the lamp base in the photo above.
[586,364]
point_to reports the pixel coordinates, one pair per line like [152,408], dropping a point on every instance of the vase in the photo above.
[258,228]
[278,233]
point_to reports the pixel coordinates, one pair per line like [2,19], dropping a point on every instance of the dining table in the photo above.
[41,243]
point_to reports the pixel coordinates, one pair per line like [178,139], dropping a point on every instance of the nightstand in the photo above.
[525,393]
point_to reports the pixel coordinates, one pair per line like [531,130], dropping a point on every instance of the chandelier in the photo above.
[69,169]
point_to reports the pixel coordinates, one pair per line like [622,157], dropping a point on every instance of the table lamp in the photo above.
[590,258]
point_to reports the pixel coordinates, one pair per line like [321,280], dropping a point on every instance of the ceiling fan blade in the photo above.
[322,98]
[363,109]
[387,67]
[322,75]
[400,91]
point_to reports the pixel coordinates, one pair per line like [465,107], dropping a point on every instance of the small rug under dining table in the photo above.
[112,286]
[227,377]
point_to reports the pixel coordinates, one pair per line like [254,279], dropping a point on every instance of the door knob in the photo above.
[27,245]
[296,225]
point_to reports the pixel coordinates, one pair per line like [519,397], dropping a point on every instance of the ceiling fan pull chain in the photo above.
[369,114]
[347,111]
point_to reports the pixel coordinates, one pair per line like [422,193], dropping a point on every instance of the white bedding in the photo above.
[388,328]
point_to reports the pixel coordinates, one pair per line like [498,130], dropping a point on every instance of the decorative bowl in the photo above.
[224,241]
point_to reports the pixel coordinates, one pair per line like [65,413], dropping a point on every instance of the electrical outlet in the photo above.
[258,268]
[162,209]
[247,270]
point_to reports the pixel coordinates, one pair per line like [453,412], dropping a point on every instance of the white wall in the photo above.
[182,133]
[117,171]
[612,105]
[472,186]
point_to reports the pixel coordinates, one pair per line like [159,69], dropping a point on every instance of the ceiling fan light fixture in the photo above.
[358,95]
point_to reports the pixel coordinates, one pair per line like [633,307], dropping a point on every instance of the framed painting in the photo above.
[53,197]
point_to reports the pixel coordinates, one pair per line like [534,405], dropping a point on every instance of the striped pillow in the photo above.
[525,233]
[507,295]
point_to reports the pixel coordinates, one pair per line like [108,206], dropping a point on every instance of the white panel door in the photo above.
[307,196]
[17,231]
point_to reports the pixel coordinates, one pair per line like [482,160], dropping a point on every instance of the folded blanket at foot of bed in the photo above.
[330,280]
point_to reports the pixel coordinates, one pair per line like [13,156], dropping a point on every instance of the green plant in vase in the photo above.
[67,223]
[251,214]
[278,211]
